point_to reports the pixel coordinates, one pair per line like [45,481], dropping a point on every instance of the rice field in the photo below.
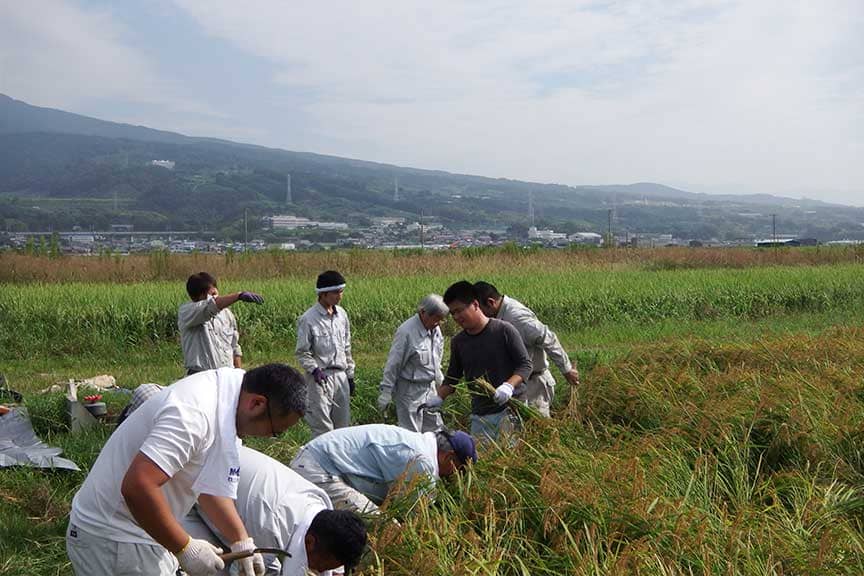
[79,317]
[718,429]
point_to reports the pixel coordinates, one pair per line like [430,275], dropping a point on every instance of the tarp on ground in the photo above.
[19,445]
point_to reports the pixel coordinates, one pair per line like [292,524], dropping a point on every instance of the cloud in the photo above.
[734,94]
[759,95]
[55,53]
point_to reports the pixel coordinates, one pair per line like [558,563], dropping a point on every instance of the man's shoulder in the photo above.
[501,328]
[515,311]
[310,313]
[198,391]
[408,325]
[189,305]
[460,338]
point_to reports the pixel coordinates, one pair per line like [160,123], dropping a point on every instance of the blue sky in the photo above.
[709,95]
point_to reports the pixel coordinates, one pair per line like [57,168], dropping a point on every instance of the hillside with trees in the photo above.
[60,170]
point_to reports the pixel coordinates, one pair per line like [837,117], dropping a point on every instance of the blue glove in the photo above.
[319,376]
[251,297]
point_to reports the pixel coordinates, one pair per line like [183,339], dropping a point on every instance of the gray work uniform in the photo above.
[358,466]
[540,341]
[91,554]
[208,336]
[324,341]
[412,372]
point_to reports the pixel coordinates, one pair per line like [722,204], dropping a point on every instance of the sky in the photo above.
[718,96]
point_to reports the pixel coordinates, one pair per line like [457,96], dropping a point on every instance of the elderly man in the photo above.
[413,368]
[486,348]
[179,446]
[324,351]
[281,509]
[358,466]
[539,340]
[208,329]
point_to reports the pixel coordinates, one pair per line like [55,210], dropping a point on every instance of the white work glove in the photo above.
[200,558]
[503,394]
[384,399]
[434,401]
[251,565]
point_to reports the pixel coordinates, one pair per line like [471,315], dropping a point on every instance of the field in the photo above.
[718,429]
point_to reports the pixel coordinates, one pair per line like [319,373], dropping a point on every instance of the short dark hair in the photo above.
[485,290]
[341,534]
[462,291]
[198,284]
[281,384]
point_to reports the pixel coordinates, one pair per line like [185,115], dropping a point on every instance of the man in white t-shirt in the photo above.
[280,509]
[180,446]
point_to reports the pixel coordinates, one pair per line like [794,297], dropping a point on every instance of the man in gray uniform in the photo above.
[413,368]
[539,340]
[324,351]
[208,329]
[359,466]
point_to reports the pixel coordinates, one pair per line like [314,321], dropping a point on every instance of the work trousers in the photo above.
[540,392]
[408,396]
[342,495]
[97,556]
[328,405]
[495,427]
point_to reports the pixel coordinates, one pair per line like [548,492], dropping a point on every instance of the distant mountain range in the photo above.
[60,170]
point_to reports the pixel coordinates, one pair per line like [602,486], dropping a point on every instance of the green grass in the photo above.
[76,318]
[718,430]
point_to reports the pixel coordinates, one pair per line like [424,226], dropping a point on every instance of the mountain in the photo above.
[18,117]
[60,170]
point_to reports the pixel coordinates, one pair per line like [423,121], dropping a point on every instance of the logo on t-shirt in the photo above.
[234,474]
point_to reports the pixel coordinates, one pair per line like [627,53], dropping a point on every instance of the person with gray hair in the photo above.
[413,369]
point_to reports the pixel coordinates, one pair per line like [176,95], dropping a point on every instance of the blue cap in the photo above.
[463,445]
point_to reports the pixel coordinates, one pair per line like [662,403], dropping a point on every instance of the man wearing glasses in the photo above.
[179,446]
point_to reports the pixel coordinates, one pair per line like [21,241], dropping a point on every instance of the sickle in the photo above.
[231,556]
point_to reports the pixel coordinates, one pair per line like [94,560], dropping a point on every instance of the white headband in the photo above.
[329,289]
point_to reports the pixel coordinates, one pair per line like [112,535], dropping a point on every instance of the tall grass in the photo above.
[707,460]
[674,457]
[15,267]
[107,318]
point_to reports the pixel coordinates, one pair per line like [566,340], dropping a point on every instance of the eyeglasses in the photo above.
[273,433]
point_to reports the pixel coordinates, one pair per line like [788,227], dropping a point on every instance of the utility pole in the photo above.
[245,230]
[421,230]
[774,234]
[611,241]
[288,196]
